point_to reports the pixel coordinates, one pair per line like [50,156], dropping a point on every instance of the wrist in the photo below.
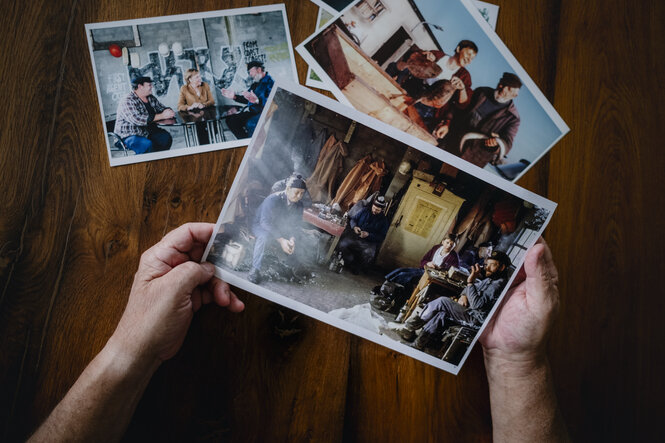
[128,360]
[514,365]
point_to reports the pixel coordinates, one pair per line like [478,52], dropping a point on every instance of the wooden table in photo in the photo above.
[430,277]
[336,230]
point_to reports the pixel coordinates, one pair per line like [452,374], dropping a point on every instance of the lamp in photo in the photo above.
[163,49]
[177,49]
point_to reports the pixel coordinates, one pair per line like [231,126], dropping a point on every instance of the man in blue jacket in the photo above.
[278,223]
[369,227]
[243,124]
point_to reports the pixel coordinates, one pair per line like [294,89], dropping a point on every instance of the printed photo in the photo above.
[437,71]
[185,84]
[346,219]
[489,12]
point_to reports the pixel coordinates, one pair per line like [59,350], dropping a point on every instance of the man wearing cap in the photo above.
[243,124]
[472,307]
[278,224]
[369,227]
[492,113]
[135,119]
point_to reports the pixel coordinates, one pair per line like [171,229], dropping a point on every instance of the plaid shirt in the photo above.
[132,116]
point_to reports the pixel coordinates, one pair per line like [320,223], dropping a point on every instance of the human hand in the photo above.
[457,83]
[441,131]
[491,142]
[464,301]
[517,334]
[364,234]
[286,245]
[430,56]
[473,275]
[430,264]
[228,93]
[166,113]
[357,230]
[250,96]
[169,286]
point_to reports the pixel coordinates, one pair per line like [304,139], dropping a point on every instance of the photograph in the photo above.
[186,84]
[342,217]
[439,72]
[489,12]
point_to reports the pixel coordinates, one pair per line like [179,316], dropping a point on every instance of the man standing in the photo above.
[369,227]
[243,124]
[135,119]
[472,307]
[493,114]
[278,222]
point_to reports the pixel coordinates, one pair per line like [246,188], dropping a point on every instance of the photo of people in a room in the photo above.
[358,226]
[435,71]
[184,84]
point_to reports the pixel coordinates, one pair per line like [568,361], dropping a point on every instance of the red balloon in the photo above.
[115,50]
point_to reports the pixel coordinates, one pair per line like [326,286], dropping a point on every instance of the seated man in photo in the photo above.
[369,227]
[473,256]
[135,119]
[475,302]
[243,124]
[440,256]
[491,114]
[278,224]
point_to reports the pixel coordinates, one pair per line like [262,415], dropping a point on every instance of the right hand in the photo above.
[166,113]
[288,246]
[357,230]
[441,131]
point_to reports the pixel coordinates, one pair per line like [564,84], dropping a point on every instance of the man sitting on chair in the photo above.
[243,124]
[475,302]
[135,119]
[440,256]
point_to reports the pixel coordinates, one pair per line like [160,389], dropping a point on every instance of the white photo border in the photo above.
[119,161]
[408,140]
[498,43]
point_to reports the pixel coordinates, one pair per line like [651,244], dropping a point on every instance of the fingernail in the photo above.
[209,267]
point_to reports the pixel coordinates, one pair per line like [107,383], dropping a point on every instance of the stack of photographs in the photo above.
[391,213]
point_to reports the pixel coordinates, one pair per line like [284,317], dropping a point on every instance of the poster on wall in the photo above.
[438,71]
[350,221]
[185,84]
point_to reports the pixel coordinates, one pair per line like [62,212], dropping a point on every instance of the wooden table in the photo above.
[72,230]
[429,277]
[334,229]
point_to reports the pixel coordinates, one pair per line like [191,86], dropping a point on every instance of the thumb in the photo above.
[188,275]
[541,274]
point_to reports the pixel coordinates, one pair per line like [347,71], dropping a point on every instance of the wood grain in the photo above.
[72,230]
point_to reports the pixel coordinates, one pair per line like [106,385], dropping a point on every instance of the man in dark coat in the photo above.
[369,227]
[278,223]
[243,124]
[492,113]
[472,307]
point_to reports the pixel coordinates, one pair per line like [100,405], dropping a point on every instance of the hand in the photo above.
[288,246]
[357,230]
[464,301]
[441,131]
[250,96]
[491,142]
[430,264]
[430,56]
[518,332]
[166,113]
[473,275]
[457,83]
[364,234]
[228,93]
[169,286]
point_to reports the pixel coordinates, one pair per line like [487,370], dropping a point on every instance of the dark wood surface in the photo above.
[72,230]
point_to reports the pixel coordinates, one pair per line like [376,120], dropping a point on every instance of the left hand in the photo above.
[492,142]
[364,234]
[457,83]
[250,96]
[169,286]
[464,301]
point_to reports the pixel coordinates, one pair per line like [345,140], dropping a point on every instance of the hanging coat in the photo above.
[328,167]
[363,179]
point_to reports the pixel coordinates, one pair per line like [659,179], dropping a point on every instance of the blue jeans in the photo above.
[157,140]
[404,276]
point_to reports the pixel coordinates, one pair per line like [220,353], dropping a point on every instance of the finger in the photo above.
[185,277]
[196,299]
[183,243]
[224,297]
[541,274]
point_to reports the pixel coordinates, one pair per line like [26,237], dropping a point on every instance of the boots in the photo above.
[408,333]
[423,340]
[254,276]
